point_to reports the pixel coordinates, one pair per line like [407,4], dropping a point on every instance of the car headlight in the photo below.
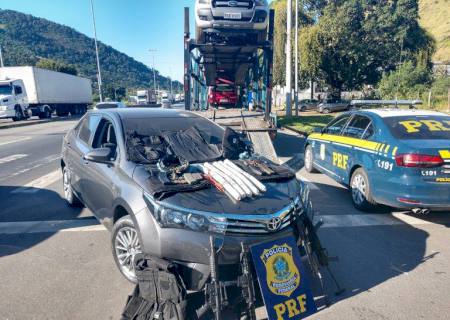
[171,218]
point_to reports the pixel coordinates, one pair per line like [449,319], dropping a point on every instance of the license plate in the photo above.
[234,16]
[3,108]
[224,100]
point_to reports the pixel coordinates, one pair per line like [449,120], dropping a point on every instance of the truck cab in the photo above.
[13,100]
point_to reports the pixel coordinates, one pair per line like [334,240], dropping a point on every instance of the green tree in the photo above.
[279,55]
[56,65]
[407,82]
[356,41]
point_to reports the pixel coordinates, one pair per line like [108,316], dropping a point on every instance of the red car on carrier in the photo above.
[223,94]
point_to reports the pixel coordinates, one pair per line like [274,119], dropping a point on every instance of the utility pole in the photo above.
[153,51]
[296,59]
[171,85]
[99,73]
[1,58]
[288,59]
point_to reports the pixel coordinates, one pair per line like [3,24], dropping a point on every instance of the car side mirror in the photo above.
[318,130]
[100,155]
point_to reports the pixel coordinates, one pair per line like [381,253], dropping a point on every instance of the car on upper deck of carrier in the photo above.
[220,19]
[399,158]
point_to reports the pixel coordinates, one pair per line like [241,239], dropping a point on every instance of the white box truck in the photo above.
[27,91]
[146,97]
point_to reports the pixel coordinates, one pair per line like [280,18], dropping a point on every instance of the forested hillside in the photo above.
[26,39]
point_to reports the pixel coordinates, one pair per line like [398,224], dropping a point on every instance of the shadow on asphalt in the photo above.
[288,145]
[38,205]
[366,256]
[5,124]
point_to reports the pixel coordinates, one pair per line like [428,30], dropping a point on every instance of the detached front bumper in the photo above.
[191,249]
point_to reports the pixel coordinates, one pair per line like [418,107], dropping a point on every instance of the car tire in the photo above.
[46,114]
[361,192]
[125,245]
[18,114]
[303,108]
[326,111]
[70,197]
[309,160]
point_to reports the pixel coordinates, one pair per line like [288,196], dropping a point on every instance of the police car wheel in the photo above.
[360,189]
[309,160]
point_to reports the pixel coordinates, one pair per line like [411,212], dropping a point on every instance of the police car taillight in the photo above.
[414,160]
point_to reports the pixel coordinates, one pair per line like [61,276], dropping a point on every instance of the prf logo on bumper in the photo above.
[282,275]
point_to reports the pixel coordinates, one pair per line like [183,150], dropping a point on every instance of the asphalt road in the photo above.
[55,262]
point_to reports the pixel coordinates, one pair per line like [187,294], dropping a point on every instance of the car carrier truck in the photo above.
[31,91]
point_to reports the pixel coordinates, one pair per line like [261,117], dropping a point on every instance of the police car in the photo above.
[394,157]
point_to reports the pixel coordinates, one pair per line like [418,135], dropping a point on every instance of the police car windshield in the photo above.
[419,127]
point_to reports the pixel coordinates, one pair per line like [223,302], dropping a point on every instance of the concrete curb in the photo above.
[302,133]
[26,123]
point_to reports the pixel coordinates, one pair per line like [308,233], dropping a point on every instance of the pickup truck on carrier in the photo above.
[31,91]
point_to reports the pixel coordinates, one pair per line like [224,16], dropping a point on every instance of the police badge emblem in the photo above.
[283,276]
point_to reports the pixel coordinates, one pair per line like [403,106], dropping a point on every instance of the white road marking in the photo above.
[12,158]
[80,225]
[331,221]
[369,220]
[14,141]
[40,183]
[34,165]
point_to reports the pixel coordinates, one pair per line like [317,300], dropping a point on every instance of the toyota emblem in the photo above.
[232,3]
[274,224]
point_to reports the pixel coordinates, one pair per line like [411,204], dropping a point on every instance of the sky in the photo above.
[130,26]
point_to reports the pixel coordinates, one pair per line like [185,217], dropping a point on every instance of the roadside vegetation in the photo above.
[306,123]
[376,47]
[416,82]
[29,40]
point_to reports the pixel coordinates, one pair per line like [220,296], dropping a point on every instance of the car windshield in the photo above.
[5,89]
[419,127]
[194,139]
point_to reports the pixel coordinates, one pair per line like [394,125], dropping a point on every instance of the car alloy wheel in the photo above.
[68,195]
[309,159]
[359,189]
[71,198]
[126,246]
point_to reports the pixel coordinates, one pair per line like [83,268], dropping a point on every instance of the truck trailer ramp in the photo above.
[259,133]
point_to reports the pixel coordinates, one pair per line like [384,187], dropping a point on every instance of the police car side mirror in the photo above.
[318,130]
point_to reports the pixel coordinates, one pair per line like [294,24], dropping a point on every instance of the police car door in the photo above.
[357,149]
[328,148]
